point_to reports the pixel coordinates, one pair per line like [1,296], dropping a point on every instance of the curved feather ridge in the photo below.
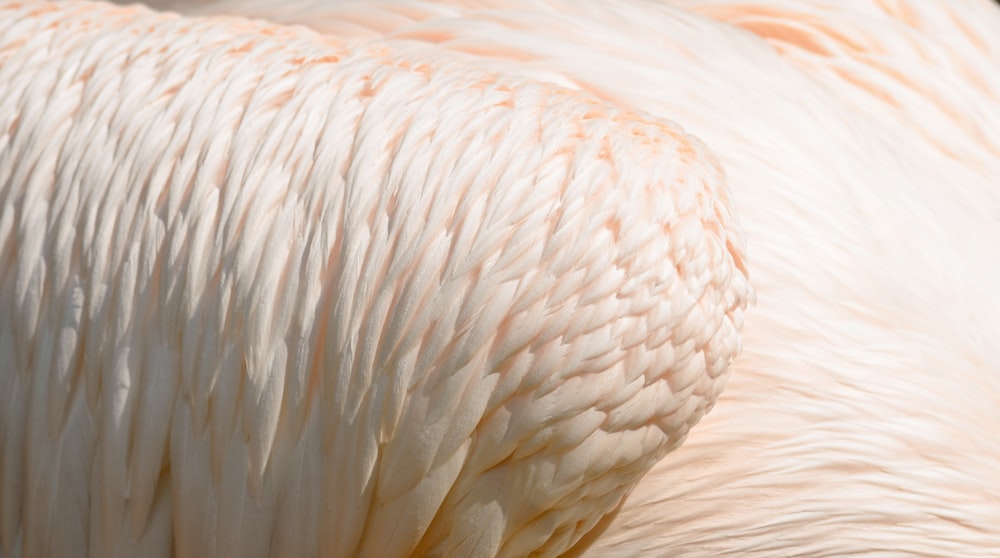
[256,275]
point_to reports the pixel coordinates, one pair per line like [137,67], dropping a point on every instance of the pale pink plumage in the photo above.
[267,293]
[537,280]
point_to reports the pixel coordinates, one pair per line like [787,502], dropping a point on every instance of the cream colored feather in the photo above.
[443,278]
[267,293]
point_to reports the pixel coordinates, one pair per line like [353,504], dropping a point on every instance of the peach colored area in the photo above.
[465,278]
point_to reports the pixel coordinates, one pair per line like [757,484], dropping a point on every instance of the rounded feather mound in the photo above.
[265,292]
[446,278]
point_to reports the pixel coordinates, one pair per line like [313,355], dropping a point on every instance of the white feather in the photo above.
[439,278]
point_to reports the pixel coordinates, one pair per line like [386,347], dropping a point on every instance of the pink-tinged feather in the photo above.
[414,277]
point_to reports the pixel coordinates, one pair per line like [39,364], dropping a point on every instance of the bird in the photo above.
[465,278]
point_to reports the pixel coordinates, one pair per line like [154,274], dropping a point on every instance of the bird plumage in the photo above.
[391,369]
[269,293]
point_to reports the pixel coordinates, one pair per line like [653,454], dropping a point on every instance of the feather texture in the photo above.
[443,277]
[270,293]
[860,140]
